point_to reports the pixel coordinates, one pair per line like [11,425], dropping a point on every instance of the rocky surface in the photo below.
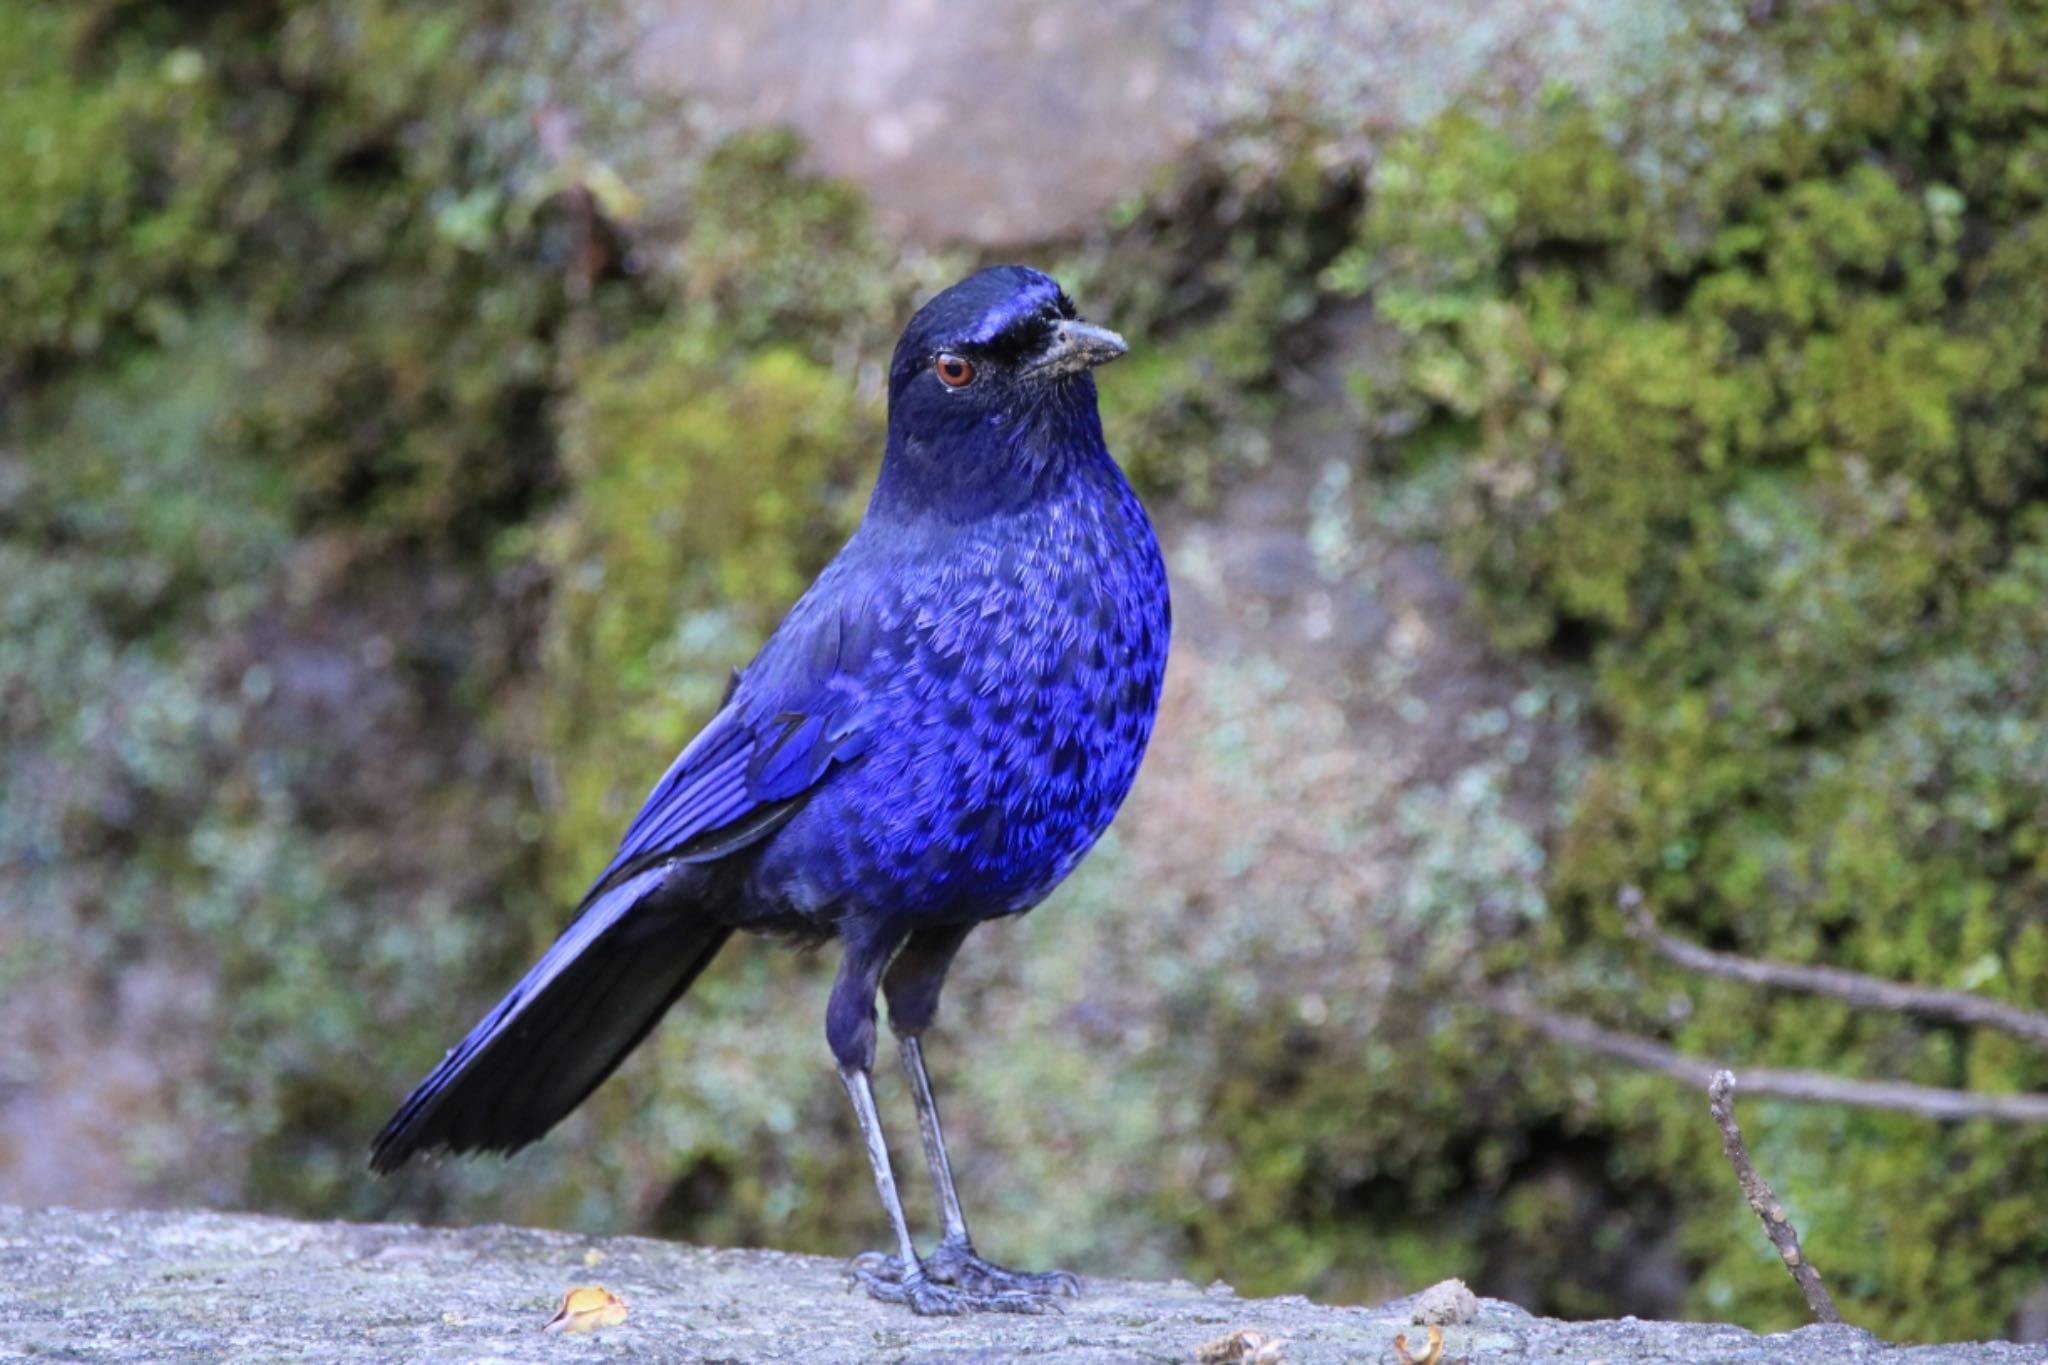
[1012,128]
[1029,122]
[180,1286]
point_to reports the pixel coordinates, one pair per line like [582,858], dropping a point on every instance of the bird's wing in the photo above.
[626,955]
[794,714]
[790,717]
[737,782]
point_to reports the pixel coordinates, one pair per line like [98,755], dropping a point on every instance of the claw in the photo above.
[881,1275]
[955,1263]
[877,1265]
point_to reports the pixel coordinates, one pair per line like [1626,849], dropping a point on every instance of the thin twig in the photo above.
[1867,992]
[1770,1082]
[1763,1203]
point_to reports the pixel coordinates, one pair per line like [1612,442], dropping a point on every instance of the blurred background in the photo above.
[1597,444]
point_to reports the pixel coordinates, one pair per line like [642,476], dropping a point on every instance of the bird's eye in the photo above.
[955,372]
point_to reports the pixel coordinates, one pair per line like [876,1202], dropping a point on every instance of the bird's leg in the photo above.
[904,1277]
[912,986]
[863,1096]
[955,1262]
[952,1222]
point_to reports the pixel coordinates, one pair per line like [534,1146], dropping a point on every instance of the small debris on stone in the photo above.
[1429,1357]
[1447,1303]
[1245,1346]
[586,1308]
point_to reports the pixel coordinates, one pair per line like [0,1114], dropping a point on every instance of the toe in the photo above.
[960,1266]
[879,1265]
[1063,1283]
[929,1298]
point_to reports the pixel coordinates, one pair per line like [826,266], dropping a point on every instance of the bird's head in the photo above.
[990,393]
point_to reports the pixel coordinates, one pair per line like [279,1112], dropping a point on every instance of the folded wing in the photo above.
[642,934]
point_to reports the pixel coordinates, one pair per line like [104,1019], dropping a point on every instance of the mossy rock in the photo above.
[1758,386]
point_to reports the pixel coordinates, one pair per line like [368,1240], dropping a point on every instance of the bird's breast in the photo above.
[1013,694]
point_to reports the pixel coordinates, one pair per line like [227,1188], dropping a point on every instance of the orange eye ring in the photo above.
[955,372]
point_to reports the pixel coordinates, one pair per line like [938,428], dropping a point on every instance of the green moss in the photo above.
[109,184]
[1214,282]
[674,554]
[271,416]
[775,254]
[1758,399]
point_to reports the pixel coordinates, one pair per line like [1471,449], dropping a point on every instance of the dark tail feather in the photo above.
[565,1027]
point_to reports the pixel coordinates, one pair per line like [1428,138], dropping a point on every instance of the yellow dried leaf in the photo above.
[1429,1357]
[587,1308]
[1246,1346]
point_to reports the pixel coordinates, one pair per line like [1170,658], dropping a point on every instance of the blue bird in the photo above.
[935,735]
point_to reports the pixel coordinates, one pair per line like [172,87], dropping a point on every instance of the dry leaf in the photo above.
[1245,1346]
[1430,1357]
[587,1308]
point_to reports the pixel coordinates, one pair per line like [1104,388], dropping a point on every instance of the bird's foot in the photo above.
[920,1290]
[955,1263]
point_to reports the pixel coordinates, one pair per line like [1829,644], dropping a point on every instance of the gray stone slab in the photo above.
[143,1286]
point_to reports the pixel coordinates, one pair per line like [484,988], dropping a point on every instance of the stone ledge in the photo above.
[208,1286]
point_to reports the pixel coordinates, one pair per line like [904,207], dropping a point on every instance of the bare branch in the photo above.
[1770,1082]
[1763,1203]
[1866,992]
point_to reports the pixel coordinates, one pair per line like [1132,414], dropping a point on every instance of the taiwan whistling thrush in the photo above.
[935,735]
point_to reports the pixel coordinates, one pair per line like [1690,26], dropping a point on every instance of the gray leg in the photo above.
[912,986]
[952,1223]
[904,1277]
[863,1096]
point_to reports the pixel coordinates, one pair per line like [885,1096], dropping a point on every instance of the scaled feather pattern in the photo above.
[937,733]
